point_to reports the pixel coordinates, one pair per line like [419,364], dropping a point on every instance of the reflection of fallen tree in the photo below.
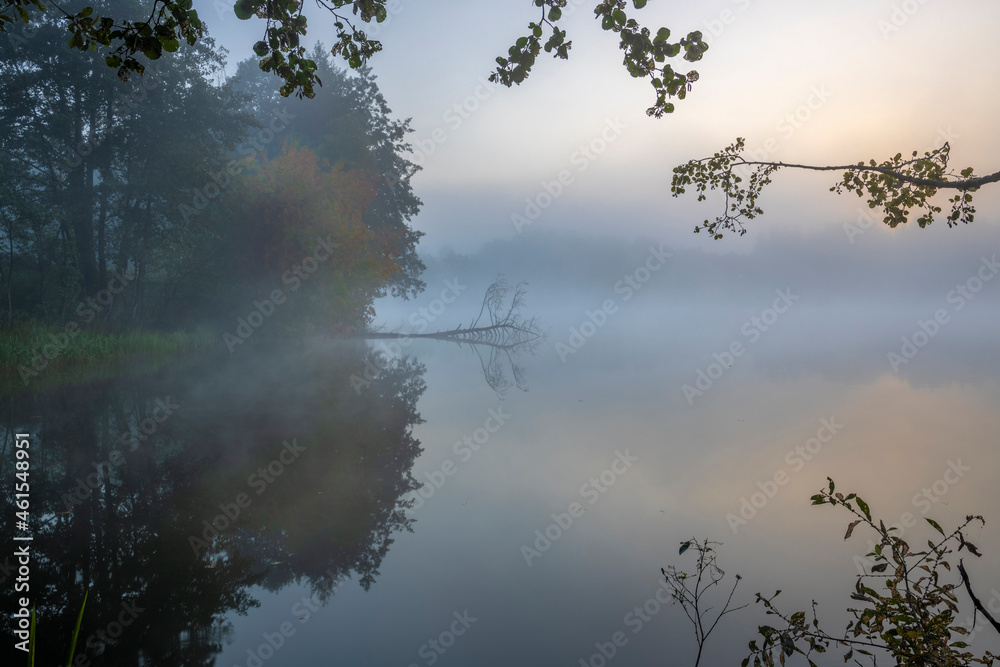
[499,328]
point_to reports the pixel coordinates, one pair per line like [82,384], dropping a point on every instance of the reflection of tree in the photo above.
[500,360]
[331,512]
[500,330]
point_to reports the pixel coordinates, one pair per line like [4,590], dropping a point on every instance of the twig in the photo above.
[975,601]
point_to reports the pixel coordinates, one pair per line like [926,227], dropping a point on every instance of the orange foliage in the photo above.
[284,208]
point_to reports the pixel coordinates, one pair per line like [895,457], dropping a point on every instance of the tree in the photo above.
[295,226]
[505,334]
[97,168]
[349,125]
[178,193]
[909,609]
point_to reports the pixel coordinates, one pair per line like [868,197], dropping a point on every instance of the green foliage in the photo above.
[169,23]
[120,206]
[909,610]
[515,68]
[897,186]
[280,210]
[645,52]
[281,52]
[94,185]
[719,173]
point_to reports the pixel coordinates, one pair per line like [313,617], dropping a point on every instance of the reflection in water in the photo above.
[499,336]
[132,536]
[169,495]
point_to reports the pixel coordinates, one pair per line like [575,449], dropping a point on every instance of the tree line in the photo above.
[184,197]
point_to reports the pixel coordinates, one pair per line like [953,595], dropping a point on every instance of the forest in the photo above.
[182,208]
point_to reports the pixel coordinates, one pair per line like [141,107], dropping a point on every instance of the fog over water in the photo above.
[914,441]
[262,482]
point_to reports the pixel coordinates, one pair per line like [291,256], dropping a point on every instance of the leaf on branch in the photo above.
[787,645]
[934,523]
[850,529]
[864,508]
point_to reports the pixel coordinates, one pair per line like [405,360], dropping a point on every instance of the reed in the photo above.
[72,645]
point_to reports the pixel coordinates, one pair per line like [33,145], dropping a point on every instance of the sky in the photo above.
[819,83]
[831,82]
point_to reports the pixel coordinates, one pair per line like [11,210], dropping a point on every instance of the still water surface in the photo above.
[545,511]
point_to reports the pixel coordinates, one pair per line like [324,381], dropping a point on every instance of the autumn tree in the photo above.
[349,124]
[295,225]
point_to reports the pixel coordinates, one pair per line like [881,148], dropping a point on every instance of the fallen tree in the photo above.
[499,327]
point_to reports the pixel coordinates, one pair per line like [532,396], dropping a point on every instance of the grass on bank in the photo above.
[36,346]
[34,356]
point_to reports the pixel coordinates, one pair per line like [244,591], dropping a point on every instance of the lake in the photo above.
[250,508]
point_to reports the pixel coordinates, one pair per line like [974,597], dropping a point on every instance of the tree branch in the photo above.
[897,186]
[975,600]
[964,184]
